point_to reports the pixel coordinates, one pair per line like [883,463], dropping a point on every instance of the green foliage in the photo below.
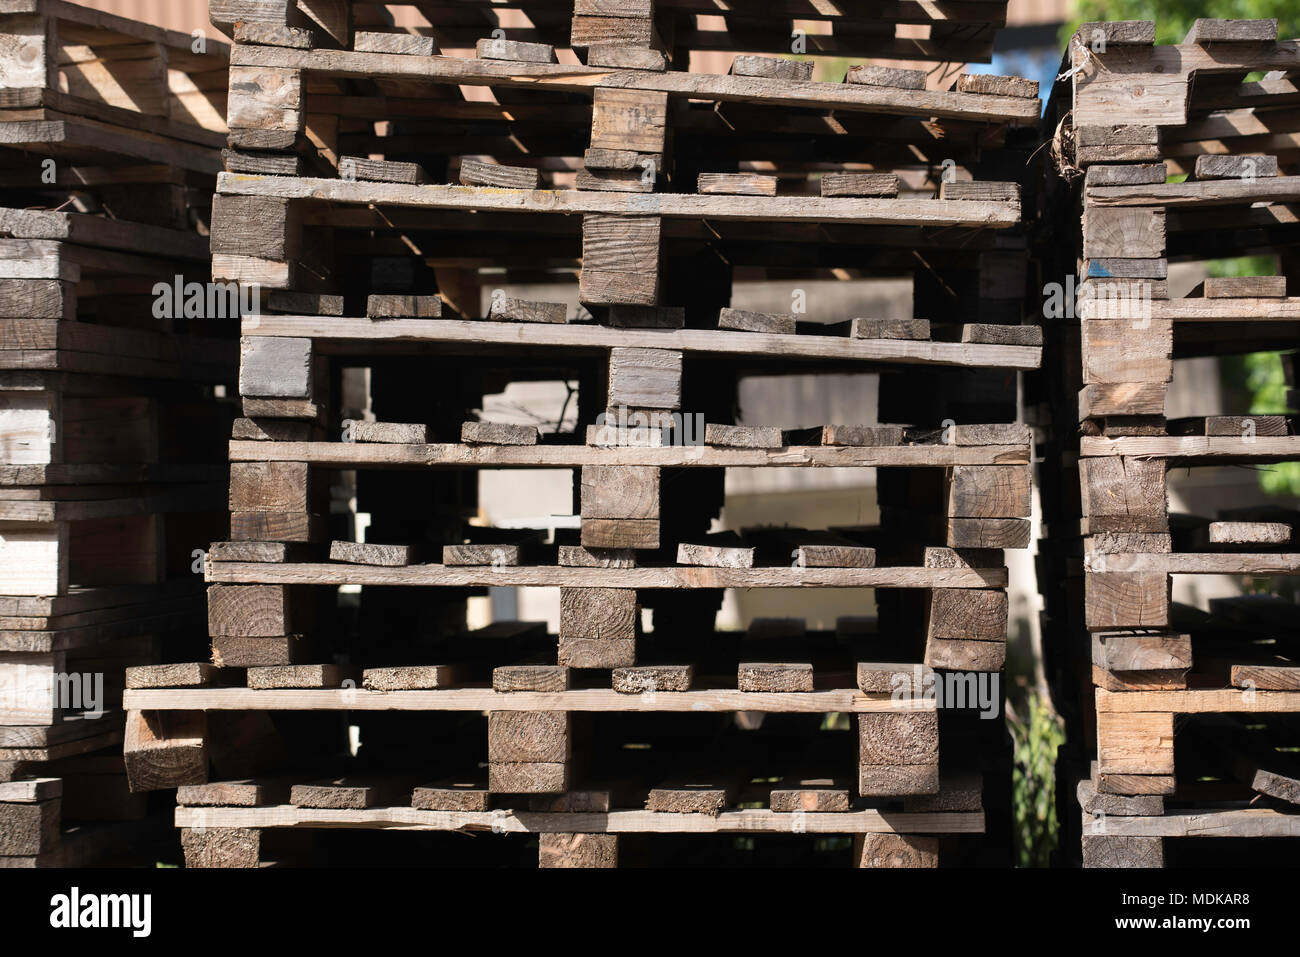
[1174,18]
[1033,780]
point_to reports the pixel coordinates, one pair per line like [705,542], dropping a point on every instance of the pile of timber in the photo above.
[385,215]
[111,469]
[1165,155]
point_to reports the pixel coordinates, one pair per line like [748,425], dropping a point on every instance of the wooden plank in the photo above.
[165,749]
[666,577]
[475,173]
[747,821]
[368,553]
[774,677]
[736,184]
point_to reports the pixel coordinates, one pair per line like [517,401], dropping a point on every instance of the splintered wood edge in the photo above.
[359,331]
[485,699]
[566,576]
[353,454]
[611,822]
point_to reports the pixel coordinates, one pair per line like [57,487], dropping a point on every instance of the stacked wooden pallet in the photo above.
[109,143]
[381,209]
[1168,141]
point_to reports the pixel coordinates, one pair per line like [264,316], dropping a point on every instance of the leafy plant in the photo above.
[1036,737]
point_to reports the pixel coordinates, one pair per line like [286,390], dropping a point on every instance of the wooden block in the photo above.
[221,847]
[653,678]
[645,378]
[1250,533]
[742,321]
[617,180]
[409,678]
[1124,232]
[811,795]
[523,310]
[261,164]
[1109,783]
[579,556]
[30,791]
[275,526]
[976,614]
[774,677]
[340,794]
[596,652]
[1123,600]
[898,738]
[451,797]
[691,798]
[275,368]
[886,76]
[165,749]
[360,169]
[1095,802]
[586,31]
[27,830]
[887,678]
[264,100]
[502,49]
[1002,335]
[557,849]
[1245,287]
[393,433]
[895,850]
[1118,33]
[620,534]
[367,553]
[273,34]
[865,436]
[1232,31]
[1124,494]
[250,611]
[736,184]
[498,433]
[295,676]
[1116,850]
[406,44]
[620,160]
[989,491]
[603,614]
[1266,677]
[1142,652]
[528,736]
[990,85]
[937,557]
[260,227]
[980,192]
[743,436]
[913,329]
[620,491]
[230,794]
[620,260]
[776,68]
[1122,398]
[530,678]
[403,307]
[528,778]
[956,654]
[268,486]
[897,780]
[1135,743]
[475,173]
[859,184]
[629,120]
[304,303]
[1235,167]
[237,651]
[1137,174]
[188,675]
[626,58]
[709,555]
